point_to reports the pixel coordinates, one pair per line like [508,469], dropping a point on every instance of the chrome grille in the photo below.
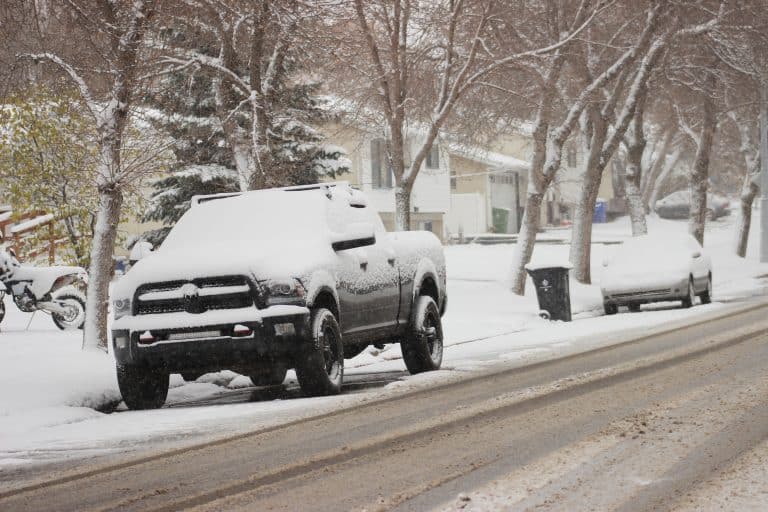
[194,296]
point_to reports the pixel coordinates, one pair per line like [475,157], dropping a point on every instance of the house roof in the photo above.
[493,159]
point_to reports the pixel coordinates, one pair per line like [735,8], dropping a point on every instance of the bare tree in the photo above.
[114,33]
[603,143]
[702,139]
[422,59]
[548,141]
[742,46]
[745,121]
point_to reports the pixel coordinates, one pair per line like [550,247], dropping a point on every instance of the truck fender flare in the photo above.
[426,269]
[322,281]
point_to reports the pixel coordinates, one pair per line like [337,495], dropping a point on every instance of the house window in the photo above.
[381,170]
[453,182]
[433,157]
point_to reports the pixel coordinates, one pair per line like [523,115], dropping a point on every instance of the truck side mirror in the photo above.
[141,249]
[359,234]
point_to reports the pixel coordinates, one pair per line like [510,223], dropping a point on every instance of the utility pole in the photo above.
[764,170]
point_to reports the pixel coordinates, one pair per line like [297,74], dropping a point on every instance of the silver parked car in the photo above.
[655,269]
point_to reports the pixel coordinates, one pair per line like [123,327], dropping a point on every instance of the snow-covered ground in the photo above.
[51,392]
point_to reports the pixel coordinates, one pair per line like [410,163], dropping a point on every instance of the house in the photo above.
[570,181]
[460,189]
[370,172]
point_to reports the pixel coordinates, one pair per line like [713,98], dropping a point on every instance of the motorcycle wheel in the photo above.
[2,309]
[76,318]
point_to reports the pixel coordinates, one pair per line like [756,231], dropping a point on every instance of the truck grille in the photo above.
[195,296]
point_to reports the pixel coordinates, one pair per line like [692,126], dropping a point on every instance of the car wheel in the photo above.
[271,375]
[610,309]
[635,308]
[423,345]
[688,300]
[320,366]
[706,296]
[142,387]
[74,318]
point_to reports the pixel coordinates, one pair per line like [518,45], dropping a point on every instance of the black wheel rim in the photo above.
[432,336]
[330,351]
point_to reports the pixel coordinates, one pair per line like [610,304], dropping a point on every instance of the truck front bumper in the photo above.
[211,341]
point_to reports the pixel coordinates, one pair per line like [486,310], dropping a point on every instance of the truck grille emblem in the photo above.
[191,294]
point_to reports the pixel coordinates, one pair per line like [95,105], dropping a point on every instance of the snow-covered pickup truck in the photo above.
[263,281]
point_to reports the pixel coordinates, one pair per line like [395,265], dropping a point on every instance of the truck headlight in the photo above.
[284,292]
[121,307]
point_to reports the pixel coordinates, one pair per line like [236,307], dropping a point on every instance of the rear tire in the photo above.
[272,375]
[423,345]
[610,309]
[706,296]
[320,366]
[691,297]
[142,387]
[634,308]
[75,319]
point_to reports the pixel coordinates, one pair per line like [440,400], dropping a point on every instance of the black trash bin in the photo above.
[552,290]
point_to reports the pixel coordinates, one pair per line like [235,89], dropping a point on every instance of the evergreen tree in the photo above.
[184,106]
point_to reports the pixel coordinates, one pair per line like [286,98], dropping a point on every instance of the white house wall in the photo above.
[431,191]
[467,214]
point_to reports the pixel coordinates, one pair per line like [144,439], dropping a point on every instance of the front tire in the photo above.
[75,316]
[691,297]
[142,387]
[320,366]
[272,375]
[610,309]
[706,296]
[423,345]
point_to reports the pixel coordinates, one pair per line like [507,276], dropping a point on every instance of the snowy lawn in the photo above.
[51,392]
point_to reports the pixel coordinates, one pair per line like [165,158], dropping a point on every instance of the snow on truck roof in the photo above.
[325,188]
[285,214]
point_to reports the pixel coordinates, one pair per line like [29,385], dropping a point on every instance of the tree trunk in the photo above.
[525,242]
[633,178]
[699,178]
[748,194]
[655,167]
[402,207]
[581,233]
[97,299]
[656,188]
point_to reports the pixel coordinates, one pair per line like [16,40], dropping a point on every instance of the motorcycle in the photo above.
[58,290]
